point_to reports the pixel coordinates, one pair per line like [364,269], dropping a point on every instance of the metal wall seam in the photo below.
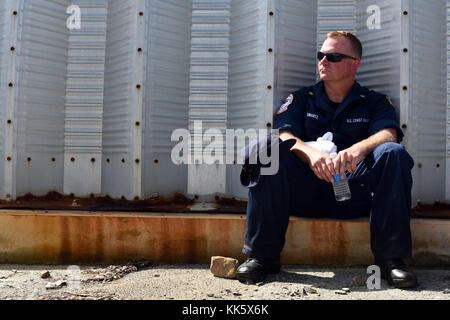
[4,61]
[119,107]
[140,71]
[270,65]
[405,79]
[9,78]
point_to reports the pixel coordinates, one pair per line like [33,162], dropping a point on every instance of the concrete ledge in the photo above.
[62,237]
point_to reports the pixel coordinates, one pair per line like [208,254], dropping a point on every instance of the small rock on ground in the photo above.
[224,267]
[55,285]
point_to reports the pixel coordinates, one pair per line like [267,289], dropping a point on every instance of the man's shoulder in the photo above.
[372,95]
[307,91]
[377,99]
[302,90]
[297,96]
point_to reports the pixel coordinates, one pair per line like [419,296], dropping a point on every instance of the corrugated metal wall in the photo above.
[447,165]
[40,92]
[335,15]
[146,96]
[426,114]
[91,111]
[166,46]
[208,88]
[84,100]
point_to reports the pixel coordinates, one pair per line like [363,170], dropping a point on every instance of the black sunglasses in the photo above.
[333,56]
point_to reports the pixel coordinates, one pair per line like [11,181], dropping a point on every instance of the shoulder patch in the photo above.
[389,100]
[286,104]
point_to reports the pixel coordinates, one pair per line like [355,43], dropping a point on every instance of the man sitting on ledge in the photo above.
[367,135]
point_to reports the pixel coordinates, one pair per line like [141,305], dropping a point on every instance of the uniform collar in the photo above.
[321,100]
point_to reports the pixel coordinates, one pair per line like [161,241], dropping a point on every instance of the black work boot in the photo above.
[397,274]
[256,269]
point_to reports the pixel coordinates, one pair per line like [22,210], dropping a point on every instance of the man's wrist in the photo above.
[364,147]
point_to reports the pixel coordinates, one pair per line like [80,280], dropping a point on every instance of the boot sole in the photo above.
[244,278]
[399,283]
[402,284]
[254,277]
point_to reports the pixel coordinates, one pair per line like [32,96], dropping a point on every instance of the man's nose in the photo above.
[324,60]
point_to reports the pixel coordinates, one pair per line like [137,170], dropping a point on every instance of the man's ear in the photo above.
[356,64]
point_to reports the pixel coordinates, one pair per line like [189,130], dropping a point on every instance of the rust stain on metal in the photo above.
[65,249]
[436,210]
[99,238]
[33,236]
[231,205]
[55,200]
[327,241]
[178,203]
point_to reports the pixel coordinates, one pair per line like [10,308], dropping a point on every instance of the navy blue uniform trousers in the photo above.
[380,187]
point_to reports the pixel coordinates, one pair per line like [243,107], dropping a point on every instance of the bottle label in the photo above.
[337,177]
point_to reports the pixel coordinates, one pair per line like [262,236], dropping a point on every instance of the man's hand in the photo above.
[348,159]
[321,164]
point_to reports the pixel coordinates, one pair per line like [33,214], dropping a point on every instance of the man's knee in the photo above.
[395,152]
[391,147]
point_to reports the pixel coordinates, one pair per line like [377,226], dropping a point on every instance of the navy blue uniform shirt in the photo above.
[309,114]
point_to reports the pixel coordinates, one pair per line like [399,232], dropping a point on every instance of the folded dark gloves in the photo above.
[259,150]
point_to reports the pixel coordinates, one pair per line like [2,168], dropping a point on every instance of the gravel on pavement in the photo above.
[141,280]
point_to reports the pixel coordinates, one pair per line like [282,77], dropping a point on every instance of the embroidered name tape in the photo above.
[358,120]
[312,115]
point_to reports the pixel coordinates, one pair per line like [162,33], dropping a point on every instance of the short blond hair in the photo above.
[354,41]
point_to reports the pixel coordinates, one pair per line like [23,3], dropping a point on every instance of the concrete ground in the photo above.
[196,282]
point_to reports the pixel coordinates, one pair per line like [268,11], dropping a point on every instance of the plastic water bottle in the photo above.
[340,186]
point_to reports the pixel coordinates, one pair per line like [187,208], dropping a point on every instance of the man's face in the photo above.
[336,71]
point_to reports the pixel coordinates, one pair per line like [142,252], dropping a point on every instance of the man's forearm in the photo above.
[321,163]
[300,148]
[382,136]
[366,145]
